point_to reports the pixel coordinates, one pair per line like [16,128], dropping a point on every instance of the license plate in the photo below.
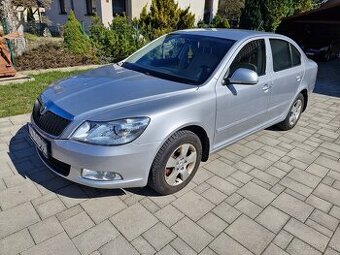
[38,140]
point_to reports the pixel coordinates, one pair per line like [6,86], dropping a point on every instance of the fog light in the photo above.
[100,175]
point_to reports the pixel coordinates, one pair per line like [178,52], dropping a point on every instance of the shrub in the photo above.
[75,40]
[51,56]
[117,41]
[165,16]
[217,22]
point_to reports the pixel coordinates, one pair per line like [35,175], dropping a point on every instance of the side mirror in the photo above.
[243,76]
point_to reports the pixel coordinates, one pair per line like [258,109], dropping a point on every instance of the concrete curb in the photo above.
[61,69]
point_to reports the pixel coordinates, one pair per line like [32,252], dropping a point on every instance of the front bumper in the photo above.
[132,161]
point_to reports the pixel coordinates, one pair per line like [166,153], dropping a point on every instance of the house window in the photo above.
[90,7]
[62,7]
[118,7]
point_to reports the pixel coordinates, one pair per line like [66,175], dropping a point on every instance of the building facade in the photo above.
[108,9]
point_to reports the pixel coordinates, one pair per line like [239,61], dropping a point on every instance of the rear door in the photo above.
[287,74]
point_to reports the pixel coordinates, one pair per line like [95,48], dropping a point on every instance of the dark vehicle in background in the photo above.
[324,51]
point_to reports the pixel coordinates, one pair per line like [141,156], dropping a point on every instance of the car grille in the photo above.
[56,165]
[48,121]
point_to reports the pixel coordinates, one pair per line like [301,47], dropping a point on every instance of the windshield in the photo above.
[180,57]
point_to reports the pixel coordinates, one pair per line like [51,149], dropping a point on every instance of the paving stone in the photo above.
[283,166]
[241,176]
[233,199]
[224,245]
[277,189]
[14,180]
[201,175]
[95,237]
[169,215]
[207,251]
[196,237]
[250,234]
[335,212]
[45,229]
[77,224]
[296,186]
[16,243]
[274,250]
[57,245]
[70,212]
[317,170]
[167,250]
[243,167]
[220,168]
[257,194]
[307,234]
[72,195]
[120,246]
[222,185]
[159,236]
[163,201]
[324,219]
[142,246]
[199,189]
[298,247]
[273,219]
[50,208]
[276,172]
[129,222]
[299,164]
[102,208]
[304,177]
[149,205]
[257,161]
[212,224]
[326,162]
[323,230]
[226,212]
[283,239]
[18,195]
[319,203]
[181,247]
[193,205]
[17,218]
[248,208]
[335,241]
[213,195]
[330,251]
[263,176]
[292,206]
[302,156]
[328,193]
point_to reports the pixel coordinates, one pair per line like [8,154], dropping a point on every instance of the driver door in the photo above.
[241,109]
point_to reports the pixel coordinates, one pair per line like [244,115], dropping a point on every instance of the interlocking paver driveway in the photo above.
[272,193]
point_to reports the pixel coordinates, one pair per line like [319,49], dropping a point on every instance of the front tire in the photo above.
[294,114]
[176,163]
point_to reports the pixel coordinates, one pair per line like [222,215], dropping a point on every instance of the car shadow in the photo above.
[28,164]
[328,80]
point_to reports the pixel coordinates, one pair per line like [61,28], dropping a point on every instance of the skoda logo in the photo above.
[43,109]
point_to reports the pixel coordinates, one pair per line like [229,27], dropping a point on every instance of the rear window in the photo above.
[284,55]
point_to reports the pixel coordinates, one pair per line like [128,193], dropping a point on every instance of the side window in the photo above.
[296,56]
[252,56]
[284,55]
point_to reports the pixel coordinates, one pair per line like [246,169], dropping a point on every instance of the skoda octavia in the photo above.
[153,117]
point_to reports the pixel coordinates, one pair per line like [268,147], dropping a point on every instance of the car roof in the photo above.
[231,34]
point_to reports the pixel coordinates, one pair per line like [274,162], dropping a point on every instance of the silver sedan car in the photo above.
[152,118]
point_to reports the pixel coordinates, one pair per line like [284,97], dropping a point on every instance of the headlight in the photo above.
[111,133]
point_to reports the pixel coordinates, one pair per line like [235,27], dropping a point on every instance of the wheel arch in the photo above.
[203,136]
[304,92]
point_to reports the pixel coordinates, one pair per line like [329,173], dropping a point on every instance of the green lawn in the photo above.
[19,98]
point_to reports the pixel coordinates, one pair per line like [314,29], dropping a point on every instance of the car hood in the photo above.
[106,88]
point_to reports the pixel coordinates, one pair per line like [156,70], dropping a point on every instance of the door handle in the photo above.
[265,88]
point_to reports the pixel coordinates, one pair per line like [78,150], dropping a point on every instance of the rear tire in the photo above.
[176,163]
[294,114]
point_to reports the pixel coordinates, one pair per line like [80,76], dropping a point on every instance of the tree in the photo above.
[251,15]
[230,9]
[304,5]
[274,11]
[165,16]
[75,38]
